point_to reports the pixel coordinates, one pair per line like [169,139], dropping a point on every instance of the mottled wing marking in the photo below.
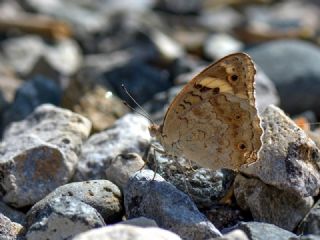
[213,121]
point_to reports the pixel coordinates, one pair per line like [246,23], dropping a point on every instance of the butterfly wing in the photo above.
[213,121]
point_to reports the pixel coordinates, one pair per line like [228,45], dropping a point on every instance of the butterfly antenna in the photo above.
[143,112]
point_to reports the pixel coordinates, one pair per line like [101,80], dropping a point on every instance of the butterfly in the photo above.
[213,121]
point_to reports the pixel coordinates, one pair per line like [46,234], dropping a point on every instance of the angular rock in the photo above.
[62,218]
[311,223]
[102,195]
[264,231]
[31,94]
[280,60]
[289,160]
[121,231]
[269,204]
[129,134]
[10,230]
[123,167]
[170,208]
[40,153]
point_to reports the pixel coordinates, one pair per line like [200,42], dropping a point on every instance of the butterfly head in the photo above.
[155,131]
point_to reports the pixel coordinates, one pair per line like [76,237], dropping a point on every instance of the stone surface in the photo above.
[311,222]
[101,106]
[205,186]
[220,44]
[123,167]
[289,159]
[10,230]
[264,231]
[266,92]
[170,208]
[40,153]
[281,61]
[12,214]
[269,204]
[129,134]
[31,94]
[102,195]
[136,76]
[126,232]
[62,218]
[234,235]
[140,222]
[24,52]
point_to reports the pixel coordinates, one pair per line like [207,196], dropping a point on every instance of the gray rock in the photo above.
[220,44]
[12,214]
[205,186]
[234,235]
[311,223]
[126,232]
[129,134]
[31,94]
[24,52]
[10,230]
[140,222]
[306,237]
[170,208]
[264,231]
[123,167]
[281,61]
[269,204]
[62,218]
[266,92]
[289,159]
[40,153]
[102,195]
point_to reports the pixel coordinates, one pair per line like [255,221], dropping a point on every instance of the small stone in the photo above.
[205,186]
[264,231]
[220,19]
[39,153]
[140,222]
[62,218]
[123,167]
[234,235]
[24,52]
[10,230]
[136,76]
[266,92]
[129,134]
[170,208]
[126,232]
[269,204]
[280,60]
[306,237]
[311,222]
[12,214]
[102,195]
[220,44]
[289,160]
[31,94]
[97,103]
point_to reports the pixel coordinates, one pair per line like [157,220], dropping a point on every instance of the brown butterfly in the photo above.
[213,121]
